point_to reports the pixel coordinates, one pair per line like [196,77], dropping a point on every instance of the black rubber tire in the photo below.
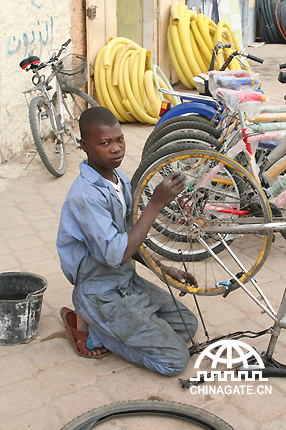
[76,92]
[75,102]
[43,129]
[169,232]
[192,137]
[187,413]
[182,118]
[218,196]
[55,160]
[179,123]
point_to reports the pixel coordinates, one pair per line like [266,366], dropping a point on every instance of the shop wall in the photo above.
[39,28]
[27,27]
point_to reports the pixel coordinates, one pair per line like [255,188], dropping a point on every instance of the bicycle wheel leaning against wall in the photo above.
[46,128]
[54,112]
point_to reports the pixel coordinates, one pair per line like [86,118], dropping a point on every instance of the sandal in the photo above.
[78,337]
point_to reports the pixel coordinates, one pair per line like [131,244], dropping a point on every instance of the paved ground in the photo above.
[44,384]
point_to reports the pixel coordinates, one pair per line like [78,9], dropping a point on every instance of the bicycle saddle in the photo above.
[29,61]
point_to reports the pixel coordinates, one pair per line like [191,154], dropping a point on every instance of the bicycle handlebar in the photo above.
[237,53]
[64,45]
[34,63]
[67,43]
[252,57]
[219,45]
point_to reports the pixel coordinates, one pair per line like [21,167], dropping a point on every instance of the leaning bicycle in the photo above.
[55,109]
[219,228]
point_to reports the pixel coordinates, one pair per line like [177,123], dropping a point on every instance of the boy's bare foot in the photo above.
[99,351]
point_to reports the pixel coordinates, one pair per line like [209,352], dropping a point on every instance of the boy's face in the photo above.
[105,148]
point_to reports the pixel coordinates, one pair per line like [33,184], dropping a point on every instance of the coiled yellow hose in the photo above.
[125,82]
[191,40]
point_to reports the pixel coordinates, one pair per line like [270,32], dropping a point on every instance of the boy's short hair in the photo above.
[95,115]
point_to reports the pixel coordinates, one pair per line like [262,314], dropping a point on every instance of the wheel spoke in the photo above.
[202,224]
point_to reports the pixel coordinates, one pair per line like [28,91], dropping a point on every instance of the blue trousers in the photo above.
[144,326]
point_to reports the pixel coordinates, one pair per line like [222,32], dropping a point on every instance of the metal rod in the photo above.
[195,299]
[276,330]
[172,295]
[243,228]
[270,314]
[30,161]
[252,280]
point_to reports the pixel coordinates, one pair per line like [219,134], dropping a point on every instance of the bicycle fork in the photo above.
[268,308]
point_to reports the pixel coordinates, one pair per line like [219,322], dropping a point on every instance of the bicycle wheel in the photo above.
[197,228]
[79,101]
[75,102]
[45,131]
[177,124]
[130,415]
[192,137]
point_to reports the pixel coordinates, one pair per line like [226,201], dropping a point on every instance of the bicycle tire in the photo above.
[76,92]
[44,130]
[75,102]
[179,123]
[182,237]
[222,192]
[185,117]
[187,413]
[192,137]
[198,255]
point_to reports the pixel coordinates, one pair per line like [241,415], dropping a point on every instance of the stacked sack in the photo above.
[191,39]
[125,82]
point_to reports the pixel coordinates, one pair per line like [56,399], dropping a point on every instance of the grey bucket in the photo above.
[21,296]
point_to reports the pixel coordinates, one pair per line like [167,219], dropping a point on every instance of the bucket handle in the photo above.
[35,294]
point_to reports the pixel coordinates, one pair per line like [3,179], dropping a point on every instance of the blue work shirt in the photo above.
[127,314]
[92,235]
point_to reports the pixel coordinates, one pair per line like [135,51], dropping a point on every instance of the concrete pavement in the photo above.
[44,384]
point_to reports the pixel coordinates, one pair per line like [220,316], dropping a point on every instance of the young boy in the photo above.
[115,309]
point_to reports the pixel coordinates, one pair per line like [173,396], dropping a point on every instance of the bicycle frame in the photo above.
[195,105]
[209,229]
[43,87]
[241,224]
[210,109]
[248,142]
[240,140]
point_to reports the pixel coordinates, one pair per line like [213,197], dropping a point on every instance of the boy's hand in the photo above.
[180,275]
[168,189]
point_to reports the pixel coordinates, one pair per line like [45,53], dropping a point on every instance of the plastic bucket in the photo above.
[21,296]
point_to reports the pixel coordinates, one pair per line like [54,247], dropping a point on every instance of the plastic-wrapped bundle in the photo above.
[233,80]
[247,101]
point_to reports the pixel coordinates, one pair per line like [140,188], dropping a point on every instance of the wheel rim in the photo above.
[224,191]
[52,146]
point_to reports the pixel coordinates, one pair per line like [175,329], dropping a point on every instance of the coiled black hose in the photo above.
[271,18]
